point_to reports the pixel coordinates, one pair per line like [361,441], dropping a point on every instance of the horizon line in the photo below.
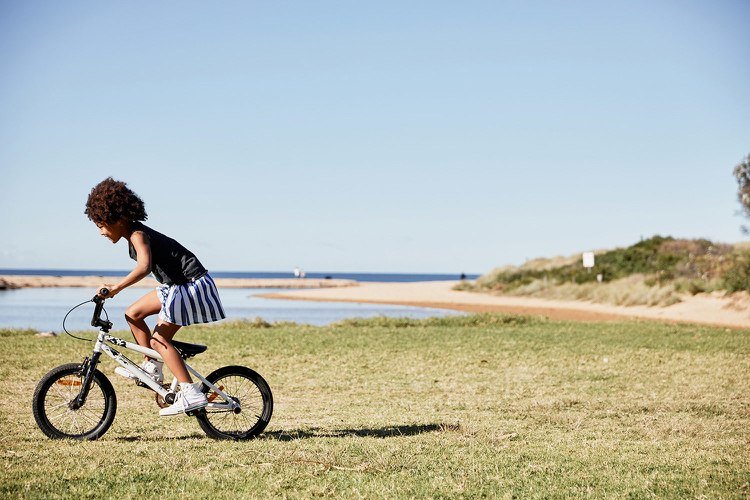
[2,269]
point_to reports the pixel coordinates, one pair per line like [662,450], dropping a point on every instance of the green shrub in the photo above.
[688,266]
[737,276]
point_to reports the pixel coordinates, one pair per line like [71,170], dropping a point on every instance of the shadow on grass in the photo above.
[315,432]
[382,432]
[131,439]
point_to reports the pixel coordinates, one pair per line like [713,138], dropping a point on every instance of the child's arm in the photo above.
[142,267]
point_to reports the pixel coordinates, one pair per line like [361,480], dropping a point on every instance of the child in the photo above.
[187,293]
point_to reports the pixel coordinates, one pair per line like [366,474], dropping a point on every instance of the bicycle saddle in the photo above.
[188,350]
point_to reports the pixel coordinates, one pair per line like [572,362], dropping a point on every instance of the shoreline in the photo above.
[562,314]
[704,309]
[38,281]
[710,310]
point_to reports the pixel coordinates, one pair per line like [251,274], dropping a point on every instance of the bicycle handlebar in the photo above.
[99,301]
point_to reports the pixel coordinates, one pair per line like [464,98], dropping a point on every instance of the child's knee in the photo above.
[160,340]
[158,343]
[133,313]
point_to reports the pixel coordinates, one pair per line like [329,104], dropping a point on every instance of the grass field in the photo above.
[495,406]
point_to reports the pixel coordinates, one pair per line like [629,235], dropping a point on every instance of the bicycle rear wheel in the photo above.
[55,415]
[250,390]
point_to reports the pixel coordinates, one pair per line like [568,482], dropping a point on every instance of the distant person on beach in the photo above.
[186,295]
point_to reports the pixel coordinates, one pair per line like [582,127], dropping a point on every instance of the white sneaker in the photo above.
[155,369]
[187,400]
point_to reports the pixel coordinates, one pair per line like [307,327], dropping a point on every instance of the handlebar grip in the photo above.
[104,292]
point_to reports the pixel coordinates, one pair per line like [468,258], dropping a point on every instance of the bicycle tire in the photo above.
[54,416]
[253,393]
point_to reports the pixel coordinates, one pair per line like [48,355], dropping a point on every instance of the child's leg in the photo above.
[161,342]
[190,397]
[142,308]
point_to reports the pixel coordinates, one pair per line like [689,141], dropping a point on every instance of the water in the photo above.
[44,308]
[379,277]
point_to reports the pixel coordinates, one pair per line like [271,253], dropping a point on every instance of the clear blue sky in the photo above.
[383,136]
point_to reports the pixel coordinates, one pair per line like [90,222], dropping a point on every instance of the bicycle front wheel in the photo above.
[57,417]
[245,387]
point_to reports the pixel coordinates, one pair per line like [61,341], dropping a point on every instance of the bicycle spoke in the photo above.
[64,403]
[88,418]
[61,414]
[61,395]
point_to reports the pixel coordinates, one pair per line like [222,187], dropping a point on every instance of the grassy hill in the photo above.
[655,271]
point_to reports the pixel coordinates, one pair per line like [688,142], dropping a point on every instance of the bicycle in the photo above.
[78,401]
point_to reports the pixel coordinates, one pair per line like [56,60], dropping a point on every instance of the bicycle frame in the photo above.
[105,342]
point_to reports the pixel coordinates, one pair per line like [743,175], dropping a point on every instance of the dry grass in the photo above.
[497,406]
[629,291]
[541,264]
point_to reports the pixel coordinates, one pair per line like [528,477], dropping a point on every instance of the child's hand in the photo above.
[113,290]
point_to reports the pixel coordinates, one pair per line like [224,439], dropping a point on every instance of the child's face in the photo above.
[113,232]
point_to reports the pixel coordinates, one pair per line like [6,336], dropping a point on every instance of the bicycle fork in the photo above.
[88,366]
[87,370]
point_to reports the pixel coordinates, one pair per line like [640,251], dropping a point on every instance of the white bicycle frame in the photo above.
[103,343]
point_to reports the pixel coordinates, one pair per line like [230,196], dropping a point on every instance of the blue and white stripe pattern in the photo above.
[194,302]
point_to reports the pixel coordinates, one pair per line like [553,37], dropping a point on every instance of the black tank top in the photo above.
[171,263]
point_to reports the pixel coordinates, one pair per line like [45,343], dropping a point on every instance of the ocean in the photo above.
[370,277]
[43,309]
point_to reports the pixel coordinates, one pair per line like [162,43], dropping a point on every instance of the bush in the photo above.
[737,276]
[682,265]
[658,255]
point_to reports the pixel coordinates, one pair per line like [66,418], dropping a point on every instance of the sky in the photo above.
[389,136]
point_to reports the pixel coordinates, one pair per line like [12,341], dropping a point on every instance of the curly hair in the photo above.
[111,200]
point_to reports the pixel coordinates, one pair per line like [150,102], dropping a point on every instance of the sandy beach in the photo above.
[701,309]
[24,281]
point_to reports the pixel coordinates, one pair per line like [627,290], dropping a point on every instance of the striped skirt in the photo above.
[194,302]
